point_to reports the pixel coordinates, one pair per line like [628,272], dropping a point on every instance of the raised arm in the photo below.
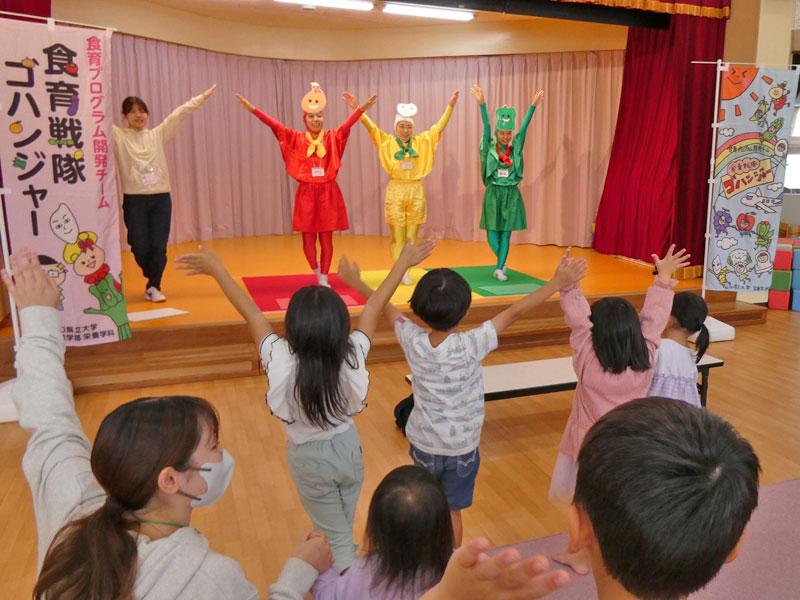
[377,136]
[658,301]
[56,460]
[437,130]
[477,92]
[357,110]
[169,126]
[568,272]
[278,128]
[526,120]
[412,255]
[206,262]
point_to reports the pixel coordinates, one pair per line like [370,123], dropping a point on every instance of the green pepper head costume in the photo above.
[506,118]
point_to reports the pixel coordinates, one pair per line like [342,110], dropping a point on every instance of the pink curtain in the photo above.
[227,174]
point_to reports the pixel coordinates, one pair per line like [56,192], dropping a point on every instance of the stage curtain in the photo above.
[228,177]
[656,189]
[39,8]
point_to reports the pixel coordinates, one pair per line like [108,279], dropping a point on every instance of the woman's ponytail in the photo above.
[94,558]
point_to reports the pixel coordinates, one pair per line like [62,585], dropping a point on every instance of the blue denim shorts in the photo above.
[456,474]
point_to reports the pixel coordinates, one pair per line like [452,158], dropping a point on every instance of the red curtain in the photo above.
[656,186]
[39,8]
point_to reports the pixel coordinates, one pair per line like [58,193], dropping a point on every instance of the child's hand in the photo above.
[671,262]
[316,551]
[348,271]
[570,270]
[204,262]
[413,254]
[471,574]
[31,286]
[537,97]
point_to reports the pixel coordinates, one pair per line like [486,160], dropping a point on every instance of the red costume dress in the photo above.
[318,202]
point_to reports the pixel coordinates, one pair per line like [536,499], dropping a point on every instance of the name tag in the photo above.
[317,172]
[502,173]
[148,176]
[406,165]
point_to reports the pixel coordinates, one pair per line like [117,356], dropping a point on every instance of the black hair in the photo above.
[132,102]
[409,531]
[668,488]
[441,299]
[318,333]
[690,311]
[617,336]
[45,260]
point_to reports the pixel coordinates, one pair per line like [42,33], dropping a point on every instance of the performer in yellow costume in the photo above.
[407,158]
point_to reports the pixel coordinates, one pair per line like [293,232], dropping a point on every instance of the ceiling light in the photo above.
[345,4]
[430,12]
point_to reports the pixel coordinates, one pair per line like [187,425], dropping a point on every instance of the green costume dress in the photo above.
[503,209]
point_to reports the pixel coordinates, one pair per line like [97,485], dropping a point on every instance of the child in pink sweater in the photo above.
[613,351]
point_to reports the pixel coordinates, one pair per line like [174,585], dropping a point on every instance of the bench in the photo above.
[529,378]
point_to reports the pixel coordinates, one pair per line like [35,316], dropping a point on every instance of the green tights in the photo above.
[499,242]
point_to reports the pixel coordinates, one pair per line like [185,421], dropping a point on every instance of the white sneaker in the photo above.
[322,279]
[505,269]
[154,295]
[500,275]
[407,279]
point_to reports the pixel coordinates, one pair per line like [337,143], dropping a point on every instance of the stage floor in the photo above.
[283,255]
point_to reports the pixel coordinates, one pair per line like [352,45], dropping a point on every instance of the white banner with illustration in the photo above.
[57,168]
[754,124]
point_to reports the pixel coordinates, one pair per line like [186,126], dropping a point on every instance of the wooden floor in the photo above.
[259,521]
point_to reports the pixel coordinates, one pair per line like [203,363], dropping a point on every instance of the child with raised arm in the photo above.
[317,381]
[613,349]
[444,427]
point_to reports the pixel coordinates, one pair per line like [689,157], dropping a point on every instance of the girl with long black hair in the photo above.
[318,381]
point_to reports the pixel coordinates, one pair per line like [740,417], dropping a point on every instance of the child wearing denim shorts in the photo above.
[444,427]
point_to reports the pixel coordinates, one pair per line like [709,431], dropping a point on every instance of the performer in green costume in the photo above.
[501,170]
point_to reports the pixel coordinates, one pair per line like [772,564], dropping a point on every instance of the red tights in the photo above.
[326,249]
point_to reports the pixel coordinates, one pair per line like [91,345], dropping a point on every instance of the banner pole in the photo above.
[6,252]
[712,163]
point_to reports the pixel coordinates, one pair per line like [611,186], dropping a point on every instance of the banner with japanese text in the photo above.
[754,125]
[57,170]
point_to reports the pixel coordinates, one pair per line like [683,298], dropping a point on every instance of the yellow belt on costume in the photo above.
[405,203]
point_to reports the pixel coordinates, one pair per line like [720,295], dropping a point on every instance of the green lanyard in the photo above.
[167,523]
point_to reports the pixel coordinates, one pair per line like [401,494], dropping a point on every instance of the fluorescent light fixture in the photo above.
[430,12]
[345,4]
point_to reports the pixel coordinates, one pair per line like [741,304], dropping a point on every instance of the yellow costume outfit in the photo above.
[405,208]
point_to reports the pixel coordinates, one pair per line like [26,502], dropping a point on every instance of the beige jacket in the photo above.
[140,154]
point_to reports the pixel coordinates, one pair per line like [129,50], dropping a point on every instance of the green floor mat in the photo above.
[481,281]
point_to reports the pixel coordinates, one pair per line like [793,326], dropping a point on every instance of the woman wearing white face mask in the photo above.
[113,520]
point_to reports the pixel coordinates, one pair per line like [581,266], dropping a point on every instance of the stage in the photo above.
[211,341]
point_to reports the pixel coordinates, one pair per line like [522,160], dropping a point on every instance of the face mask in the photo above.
[217,475]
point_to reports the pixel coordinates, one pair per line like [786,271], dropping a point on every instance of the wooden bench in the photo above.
[533,377]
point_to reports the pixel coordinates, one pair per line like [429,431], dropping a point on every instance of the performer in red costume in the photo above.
[313,158]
